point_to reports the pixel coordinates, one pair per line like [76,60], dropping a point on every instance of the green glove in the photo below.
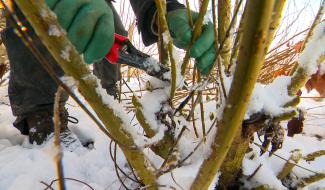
[203,49]
[89,25]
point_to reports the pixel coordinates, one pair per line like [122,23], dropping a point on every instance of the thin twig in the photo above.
[224,39]
[196,32]
[173,148]
[202,115]
[172,175]
[260,146]
[117,168]
[57,146]
[47,186]
[254,173]
[316,21]
[181,162]
[315,107]
[192,102]
[209,76]
[67,178]
[194,105]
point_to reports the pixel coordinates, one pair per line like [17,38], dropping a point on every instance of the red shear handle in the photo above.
[113,54]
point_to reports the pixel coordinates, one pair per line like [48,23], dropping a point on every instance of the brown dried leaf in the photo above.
[317,82]
[295,126]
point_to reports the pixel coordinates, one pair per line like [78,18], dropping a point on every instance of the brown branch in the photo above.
[57,146]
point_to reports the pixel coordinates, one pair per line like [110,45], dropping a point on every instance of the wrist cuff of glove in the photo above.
[171,6]
[148,26]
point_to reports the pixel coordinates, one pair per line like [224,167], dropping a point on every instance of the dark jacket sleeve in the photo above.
[144,11]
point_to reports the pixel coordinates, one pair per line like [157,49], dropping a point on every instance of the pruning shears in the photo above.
[123,52]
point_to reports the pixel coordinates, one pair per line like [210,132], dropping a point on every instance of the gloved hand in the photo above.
[203,49]
[89,25]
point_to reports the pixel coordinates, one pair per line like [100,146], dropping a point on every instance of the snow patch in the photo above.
[207,18]
[69,81]
[65,54]
[314,49]
[53,151]
[166,37]
[46,13]
[270,99]
[151,103]
[119,111]
[55,30]
[151,65]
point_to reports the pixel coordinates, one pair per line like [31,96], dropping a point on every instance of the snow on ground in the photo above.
[24,166]
[310,141]
[315,121]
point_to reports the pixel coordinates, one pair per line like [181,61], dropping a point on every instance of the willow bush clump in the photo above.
[240,56]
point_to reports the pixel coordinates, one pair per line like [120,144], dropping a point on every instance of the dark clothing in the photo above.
[30,87]
[144,9]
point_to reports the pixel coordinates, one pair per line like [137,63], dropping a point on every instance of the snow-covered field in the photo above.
[28,167]
[24,166]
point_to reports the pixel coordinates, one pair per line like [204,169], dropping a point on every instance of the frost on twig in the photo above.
[54,30]
[65,54]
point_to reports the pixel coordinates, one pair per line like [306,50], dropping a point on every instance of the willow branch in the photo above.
[196,33]
[57,146]
[161,8]
[276,19]
[224,18]
[250,59]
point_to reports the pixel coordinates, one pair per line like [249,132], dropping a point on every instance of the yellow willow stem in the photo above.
[196,33]
[161,148]
[276,19]
[313,155]
[312,179]
[235,48]
[316,21]
[288,166]
[224,18]
[161,8]
[300,74]
[250,59]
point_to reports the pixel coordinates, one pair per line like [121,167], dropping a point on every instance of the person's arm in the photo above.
[203,49]
[145,11]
